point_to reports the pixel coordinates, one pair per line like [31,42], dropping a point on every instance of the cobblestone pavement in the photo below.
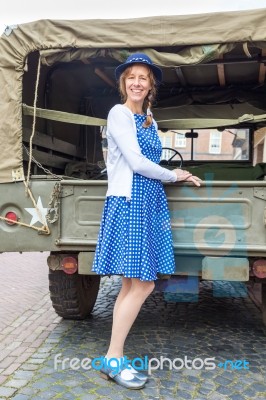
[26,314]
[226,328]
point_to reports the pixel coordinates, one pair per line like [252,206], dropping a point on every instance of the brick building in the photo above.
[210,145]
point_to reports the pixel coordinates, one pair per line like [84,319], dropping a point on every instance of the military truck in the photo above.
[57,86]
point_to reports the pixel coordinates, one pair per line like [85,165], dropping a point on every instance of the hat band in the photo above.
[139,59]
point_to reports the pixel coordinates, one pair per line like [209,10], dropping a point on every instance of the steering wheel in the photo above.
[167,162]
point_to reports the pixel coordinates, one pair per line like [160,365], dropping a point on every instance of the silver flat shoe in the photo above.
[137,374]
[134,383]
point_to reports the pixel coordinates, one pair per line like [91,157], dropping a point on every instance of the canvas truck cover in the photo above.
[195,38]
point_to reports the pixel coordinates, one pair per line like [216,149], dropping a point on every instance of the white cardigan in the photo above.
[124,154]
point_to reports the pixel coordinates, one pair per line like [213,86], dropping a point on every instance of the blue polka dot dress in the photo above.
[135,237]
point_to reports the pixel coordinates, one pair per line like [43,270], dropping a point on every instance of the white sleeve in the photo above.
[122,130]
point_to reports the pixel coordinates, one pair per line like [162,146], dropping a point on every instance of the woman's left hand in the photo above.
[183,175]
[194,179]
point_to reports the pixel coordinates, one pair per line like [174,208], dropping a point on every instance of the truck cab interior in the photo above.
[210,112]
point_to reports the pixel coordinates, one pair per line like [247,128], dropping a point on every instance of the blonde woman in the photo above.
[135,236]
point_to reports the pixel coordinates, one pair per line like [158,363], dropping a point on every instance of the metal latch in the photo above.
[17,174]
[67,191]
[259,193]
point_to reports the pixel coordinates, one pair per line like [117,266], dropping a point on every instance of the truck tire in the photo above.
[73,296]
[263,300]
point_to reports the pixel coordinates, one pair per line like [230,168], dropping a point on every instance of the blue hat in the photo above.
[139,58]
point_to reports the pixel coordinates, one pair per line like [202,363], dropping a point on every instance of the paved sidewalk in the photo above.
[222,323]
[226,328]
[26,314]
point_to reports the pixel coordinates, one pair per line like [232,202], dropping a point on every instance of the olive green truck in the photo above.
[57,86]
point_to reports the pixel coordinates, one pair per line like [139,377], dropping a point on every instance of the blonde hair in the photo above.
[147,104]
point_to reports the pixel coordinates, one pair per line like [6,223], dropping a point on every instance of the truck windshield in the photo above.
[217,145]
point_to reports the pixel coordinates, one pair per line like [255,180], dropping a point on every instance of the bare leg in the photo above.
[125,312]
[126,285]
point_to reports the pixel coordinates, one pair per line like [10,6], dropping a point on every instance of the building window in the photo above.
[166,142]
[180,140]
[215,142]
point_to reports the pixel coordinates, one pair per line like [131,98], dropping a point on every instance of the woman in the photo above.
[135,236]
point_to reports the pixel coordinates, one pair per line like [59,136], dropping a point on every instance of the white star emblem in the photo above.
[38,216]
